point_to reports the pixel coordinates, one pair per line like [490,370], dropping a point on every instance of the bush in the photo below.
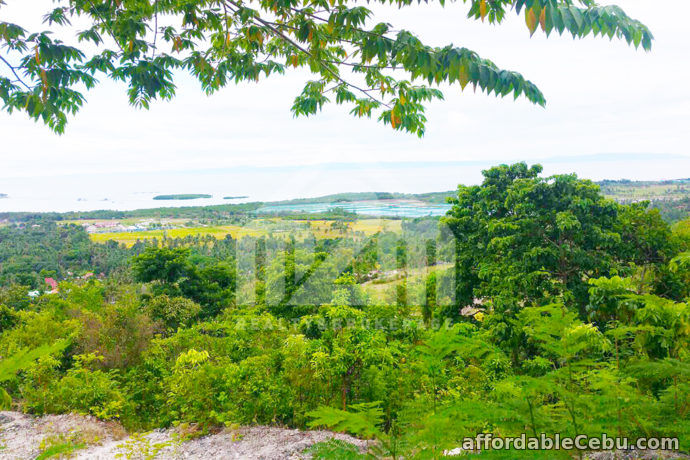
[173,312]
[80,390]
[119,333]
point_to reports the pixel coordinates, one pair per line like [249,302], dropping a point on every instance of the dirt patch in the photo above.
[25,437]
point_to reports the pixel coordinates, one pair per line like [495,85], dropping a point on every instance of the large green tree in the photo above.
[523,239]
[368,65]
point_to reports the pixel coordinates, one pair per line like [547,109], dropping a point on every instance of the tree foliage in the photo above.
[372,67]
[525,239]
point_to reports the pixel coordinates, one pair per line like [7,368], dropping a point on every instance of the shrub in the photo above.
[118,333]
[80,390]
[173,312]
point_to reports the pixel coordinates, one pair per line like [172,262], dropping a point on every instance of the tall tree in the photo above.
[370,66]
[526,239]
[260,274]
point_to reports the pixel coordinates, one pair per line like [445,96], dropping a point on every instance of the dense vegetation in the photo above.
[562,312]
[221,211]
[30,253]
[673,210]
[670,197]
[433,197]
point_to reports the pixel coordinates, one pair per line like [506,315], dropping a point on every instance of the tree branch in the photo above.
[14,71]
[270,26]
[155,29]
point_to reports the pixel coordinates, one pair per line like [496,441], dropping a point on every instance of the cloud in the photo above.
[602,97]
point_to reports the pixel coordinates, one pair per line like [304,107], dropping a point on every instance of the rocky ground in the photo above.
[26,437]
[74,436]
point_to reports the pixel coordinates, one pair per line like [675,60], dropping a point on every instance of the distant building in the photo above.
[52,284]
[107,224]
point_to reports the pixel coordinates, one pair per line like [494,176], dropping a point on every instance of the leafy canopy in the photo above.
[524,239]
[373,68]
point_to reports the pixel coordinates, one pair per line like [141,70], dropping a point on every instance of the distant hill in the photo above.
[431,197]
[188,196]
[623,191]
[3,195]
[671,197]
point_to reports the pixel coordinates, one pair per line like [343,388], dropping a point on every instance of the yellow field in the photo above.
[324,229]
[319,228]
[371,226]
[129,238]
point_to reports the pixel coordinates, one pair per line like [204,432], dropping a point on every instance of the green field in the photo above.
[628,191]
[380,290]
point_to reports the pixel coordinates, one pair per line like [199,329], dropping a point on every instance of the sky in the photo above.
[603,98]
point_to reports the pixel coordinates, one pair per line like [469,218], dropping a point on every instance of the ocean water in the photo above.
[126,191]
[366,208]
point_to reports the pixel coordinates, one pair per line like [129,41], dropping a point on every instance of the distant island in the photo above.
[188,196]
[234,197]
[432,197]
[4,195]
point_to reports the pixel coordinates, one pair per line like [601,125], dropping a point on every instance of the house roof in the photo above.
[52,283]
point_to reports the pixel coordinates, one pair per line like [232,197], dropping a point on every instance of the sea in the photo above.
[127,191]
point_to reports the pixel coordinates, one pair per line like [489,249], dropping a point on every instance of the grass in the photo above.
[335,449]
[324,228]
[378,288]
[59,450]
[636,191]
[319,228]
[220,232]
[371,226]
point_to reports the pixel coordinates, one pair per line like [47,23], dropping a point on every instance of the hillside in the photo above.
[430,197]
[193,335]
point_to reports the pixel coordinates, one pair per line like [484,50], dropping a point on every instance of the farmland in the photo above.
[259,227]
[381,289]
[626,191]
[130,238]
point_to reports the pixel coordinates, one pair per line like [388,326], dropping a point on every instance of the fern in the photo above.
[334,449]
[681,261]
[363,421]
[21,360]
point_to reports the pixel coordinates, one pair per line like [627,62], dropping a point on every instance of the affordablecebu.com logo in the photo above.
[486,441]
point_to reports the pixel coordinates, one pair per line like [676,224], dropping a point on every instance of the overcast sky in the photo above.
[603,97]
